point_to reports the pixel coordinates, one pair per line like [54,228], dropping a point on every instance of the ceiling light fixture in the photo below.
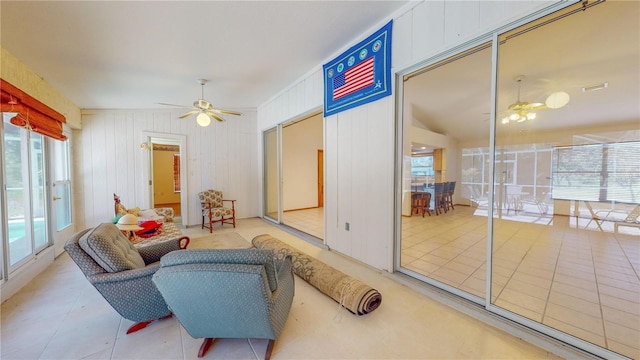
[203,109]
[557,100]
[203,119]
[604,85]
[521,111]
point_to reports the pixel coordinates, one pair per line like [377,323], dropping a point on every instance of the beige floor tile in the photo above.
[575,303]
[576,331]
[620,317]
[620,304]
[623,334]
[567,314]
[318,329]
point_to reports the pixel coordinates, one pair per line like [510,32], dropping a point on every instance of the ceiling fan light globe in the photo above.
[514,117]
[203,120]
[505,120]
[557,100]
[531,116]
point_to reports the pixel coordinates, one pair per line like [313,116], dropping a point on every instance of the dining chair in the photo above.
[420,203]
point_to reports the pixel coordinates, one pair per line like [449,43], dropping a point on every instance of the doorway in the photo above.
[294,174]
[166,172]
[302,144]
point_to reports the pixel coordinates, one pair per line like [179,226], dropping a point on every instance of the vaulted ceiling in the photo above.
[588,48]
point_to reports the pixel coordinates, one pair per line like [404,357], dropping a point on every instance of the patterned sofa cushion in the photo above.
[111,249]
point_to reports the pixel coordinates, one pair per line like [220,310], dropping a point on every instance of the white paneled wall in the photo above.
[109,160]
[360,142]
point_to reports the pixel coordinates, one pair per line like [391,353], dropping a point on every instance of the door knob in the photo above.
[56,198]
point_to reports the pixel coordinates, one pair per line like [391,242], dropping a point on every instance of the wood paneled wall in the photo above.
[360,142]
[108,159]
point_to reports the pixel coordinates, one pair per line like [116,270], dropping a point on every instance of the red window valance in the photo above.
[31,113]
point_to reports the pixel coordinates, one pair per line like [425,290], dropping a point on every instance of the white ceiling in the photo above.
[123,54]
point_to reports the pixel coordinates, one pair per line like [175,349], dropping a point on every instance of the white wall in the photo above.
[360,142]
[109,160]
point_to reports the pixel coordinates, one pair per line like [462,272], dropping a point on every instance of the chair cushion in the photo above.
[213,197]
[217,212]
[110,249]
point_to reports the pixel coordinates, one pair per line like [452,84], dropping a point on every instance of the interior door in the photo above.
[62,226]
[320,178]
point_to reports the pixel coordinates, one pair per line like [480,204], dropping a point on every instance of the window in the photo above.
[597,172]
[422,171]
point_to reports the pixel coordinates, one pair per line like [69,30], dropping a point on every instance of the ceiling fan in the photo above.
[521,110]
[204,109]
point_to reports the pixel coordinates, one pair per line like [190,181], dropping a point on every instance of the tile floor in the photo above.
[310,221]
[59,315]
[563,271]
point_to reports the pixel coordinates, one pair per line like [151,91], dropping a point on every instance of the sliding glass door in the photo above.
[293,178]
[444,206]
[564,177]
[270,176]
[539,129]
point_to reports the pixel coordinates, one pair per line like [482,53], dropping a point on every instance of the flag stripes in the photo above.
[354,79]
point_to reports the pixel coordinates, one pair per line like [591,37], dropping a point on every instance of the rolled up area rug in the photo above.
[353,294]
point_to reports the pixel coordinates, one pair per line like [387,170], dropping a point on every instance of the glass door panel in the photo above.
[61,211]
[38,190]
[62,206]
[271,192]
[443,238]
[19,222]
[560,256]
[62,184]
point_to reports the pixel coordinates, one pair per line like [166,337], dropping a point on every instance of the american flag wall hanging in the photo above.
[360,75]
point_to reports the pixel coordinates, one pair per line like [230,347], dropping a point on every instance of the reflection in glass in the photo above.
[568,181]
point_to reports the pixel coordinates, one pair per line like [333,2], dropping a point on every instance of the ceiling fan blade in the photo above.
[192,112]
[213,115]
[228,112]
[174,105]
[537,106]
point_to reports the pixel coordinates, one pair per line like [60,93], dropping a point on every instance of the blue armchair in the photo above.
[121,272]
[240,293]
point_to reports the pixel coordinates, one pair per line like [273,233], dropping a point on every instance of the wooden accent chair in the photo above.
[213,209]
[420,203]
